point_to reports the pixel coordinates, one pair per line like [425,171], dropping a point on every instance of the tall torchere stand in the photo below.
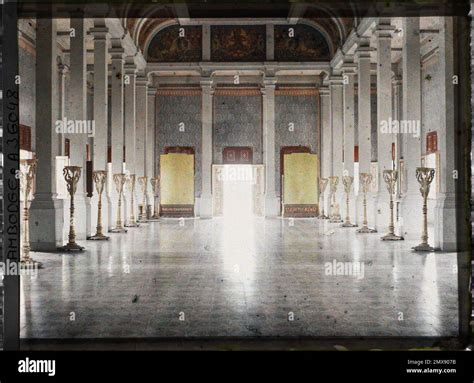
[27,177]
[155,185]
[99,177]
[119,180]
[347,182]
[365,179]
[130,180]
[142,209]
[72,174]
[335,216]
[323,182]
[390,177]
[424,177]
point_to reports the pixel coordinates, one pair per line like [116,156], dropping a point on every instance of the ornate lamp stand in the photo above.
[130,180]
[335,215]
[99,177]
[72,174]
[155,185]
[27,176]
[365,181]
[119,180]
[424,177]
[323,182]
[390,177]
[142,210]
[347,181]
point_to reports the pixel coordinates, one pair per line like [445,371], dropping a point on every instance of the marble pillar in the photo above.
[364,116]
[78,113]
[205,203]
[117,140]
[337,124]
[63,70]
[101,59]
[46,211]
[446,225]
[411,204]
[349,71]
[272,202]
[130,71]
[384,115]
[150,141]
[141,123]
[326,138]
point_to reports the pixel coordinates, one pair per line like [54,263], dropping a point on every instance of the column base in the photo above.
[131,224]
[205,206]
[46,223]
[272,206]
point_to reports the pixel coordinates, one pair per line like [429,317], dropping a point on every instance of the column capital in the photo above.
[99,33]
[142,80]
[130,68]
[63,68]
[117,53]
[384,31]
[336,80]
[349,68]
[324,91]
[269,82]
[152,91]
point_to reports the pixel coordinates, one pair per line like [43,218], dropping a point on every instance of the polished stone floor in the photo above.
[260,277]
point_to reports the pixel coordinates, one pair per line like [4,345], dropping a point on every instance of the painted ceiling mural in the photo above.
[300,43]
[176,44]
[238,43]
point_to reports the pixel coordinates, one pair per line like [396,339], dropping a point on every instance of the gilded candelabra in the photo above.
[323,182]
[155,185]
[424,177]
[99,177]
[365,180]
[348,181]
[71,174]
[390,177]
[335,215]
[119,180]
[27,177]
[130,180]
[142,209]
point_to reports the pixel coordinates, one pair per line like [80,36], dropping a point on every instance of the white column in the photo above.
[337,123]
[446,225]
[46,213]
[150,140]
[397,112]
[272,202]
[63,69]
[205,204]
[141,123]
[117,55]
[364,116]
[78,112]
[326,138]
[349,71]
[130,113]
[101,59]
[411,205]
[130,71]
[384,115]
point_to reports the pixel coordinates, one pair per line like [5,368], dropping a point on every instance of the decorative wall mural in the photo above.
[306,44]
[238,43]
[168,46]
